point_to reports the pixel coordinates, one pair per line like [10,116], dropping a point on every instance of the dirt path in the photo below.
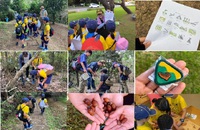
[7,38]
[39,121]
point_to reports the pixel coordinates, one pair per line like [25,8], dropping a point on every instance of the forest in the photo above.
[52,118]
[11,72]
[124,57]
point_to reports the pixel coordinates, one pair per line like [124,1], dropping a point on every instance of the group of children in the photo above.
[29,25]
[160,114]
[99,34]
[27,107]
[42,72]
[90,70]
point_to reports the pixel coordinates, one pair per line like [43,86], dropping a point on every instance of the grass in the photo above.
[126,27]
[75,119]
[145,60]
[9,124]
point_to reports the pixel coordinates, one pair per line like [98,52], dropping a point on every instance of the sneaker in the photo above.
[38,88]
[44,49]
[33,82]
[27,79]
[41,47]
[16,43]
[88,91]
[30,127]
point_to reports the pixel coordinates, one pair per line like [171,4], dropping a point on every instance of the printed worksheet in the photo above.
[175,27]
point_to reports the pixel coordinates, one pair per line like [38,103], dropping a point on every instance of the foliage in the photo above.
[54,8]
[145,60]
[35,7]
[20,6]
[5,11]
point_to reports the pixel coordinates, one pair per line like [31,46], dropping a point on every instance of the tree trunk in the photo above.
[11,84]
[105,4]
[112,5]
[128,11]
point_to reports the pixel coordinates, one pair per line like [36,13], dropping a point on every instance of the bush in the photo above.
[90,9]
[71,12]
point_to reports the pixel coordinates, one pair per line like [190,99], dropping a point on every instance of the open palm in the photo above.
[77,100]
[128,111]
[116,98]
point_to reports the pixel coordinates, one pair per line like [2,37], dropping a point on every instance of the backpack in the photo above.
[51,32]
[93,43]
[42,104]
[49,69]
[126,71]
[20,113]
[76,63]
[19,29]
[122,44]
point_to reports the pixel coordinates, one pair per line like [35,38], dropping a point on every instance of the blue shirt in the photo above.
[83,59]
[94,66]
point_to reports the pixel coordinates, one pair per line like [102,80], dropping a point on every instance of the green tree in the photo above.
[55,8]
[20,6]
[4,10]
[35,7]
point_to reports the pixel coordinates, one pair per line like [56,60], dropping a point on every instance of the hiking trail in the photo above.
[39,121]
[7,38]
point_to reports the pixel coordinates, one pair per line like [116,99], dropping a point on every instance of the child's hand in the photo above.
[77,100]
[128,112]
[94,126]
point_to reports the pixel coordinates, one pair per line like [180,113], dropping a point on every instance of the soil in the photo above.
[57,42]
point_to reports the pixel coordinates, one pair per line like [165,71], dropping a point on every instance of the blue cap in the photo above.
[143,112]
[92,24]
[46,19]
[72,24]
[30,14]
[33,72]
[70,32]
[82,22]
[24,100]
[19,17]
[87,19]
[43,95]
[25,14]
[110,25]
[34,15]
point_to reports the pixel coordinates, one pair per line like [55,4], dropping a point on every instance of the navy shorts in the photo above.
[20,37]
[34,27]
[42,38]
[49,77]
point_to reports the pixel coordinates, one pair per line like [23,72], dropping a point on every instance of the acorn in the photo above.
[90,111]
[124,120]
[109,108]
[87,101]
[113,107]
[106,100]
[94,103]
[122,116]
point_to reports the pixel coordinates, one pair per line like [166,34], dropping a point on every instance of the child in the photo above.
[142,114]
[123,77]
[83,29]
[103,87]
[92,27]
[45,34]
[26,119]
[161,105]
[113,36]
[32,101]
[30,20]
[34,24]
[166,122]
[42,103]
[19,29]
[44,78]
[178,106]
[70,33]
[73,25]
[26,30]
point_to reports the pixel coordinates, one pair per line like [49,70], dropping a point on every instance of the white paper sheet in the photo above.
[109,15]
[175,27]
[76,44]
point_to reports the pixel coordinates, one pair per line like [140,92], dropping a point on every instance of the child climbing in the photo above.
[23,114]
[42,103]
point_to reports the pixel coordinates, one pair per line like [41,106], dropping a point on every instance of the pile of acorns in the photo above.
[108,108]
[90,106]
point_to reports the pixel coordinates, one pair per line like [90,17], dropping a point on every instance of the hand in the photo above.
[77,100]
[116,98]
[94,74]
[128,111]
[94,126]
[143,41]
[179,123]
[145,86]
[84,70]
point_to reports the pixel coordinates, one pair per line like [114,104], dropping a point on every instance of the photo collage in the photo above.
[99,65]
